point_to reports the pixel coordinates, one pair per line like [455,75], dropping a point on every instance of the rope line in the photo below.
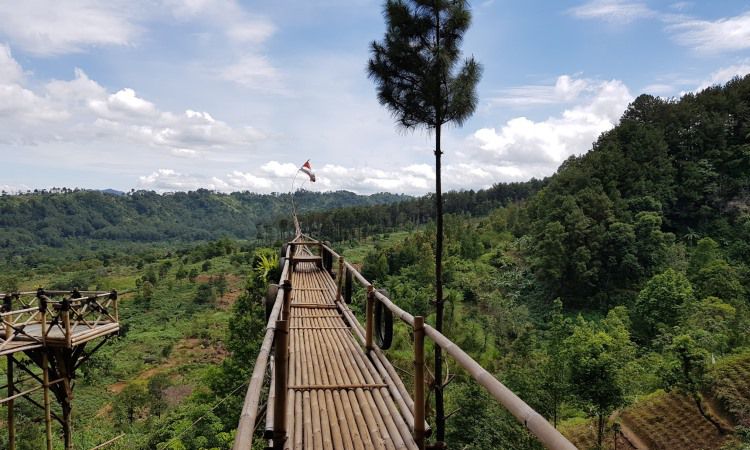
[162,446]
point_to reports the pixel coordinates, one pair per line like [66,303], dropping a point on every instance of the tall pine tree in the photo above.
[422,79]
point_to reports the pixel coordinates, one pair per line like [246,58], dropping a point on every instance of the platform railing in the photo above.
[43,318]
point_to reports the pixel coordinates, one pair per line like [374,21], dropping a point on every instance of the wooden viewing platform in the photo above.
[329,385]
[51,329]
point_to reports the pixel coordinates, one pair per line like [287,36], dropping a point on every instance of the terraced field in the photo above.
[583,436]
[671,421]
[731,387]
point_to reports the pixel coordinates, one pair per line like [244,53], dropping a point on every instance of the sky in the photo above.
[229,95]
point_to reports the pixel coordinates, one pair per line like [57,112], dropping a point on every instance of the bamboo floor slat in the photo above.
[336,398]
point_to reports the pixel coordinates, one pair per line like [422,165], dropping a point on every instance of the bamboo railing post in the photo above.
[43,312]
[370,313]
[281,362]
[47,409]
[65,305]
[340,278]
[419,412]
[11,407]
[287,287]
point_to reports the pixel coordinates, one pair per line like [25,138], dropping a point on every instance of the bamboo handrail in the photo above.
[244,437]
[536,424]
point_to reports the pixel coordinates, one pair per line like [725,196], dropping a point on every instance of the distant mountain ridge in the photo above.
[67,218]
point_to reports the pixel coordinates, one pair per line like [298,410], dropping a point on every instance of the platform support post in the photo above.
[11,407]
[47,408]
[281,361]
[419,412]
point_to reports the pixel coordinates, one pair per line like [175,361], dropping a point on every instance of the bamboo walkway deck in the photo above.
[336,398]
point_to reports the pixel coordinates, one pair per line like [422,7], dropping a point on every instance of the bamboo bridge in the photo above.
[330,385]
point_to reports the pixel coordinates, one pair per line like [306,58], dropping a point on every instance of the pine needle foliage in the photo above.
[417,67]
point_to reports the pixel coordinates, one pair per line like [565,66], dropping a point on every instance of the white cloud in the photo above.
[725,74]
[245,181]
[52,27]
[565,89]
[524,147]
[613,11]
[279,170]
[705,36]
[171,180]
[80,110]
[10,70]
[14,188]
[253,71]
[228,16]
[659,89]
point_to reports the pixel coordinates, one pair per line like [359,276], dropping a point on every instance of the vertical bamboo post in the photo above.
[43,312]
[47,409]
[116,305]
[11,407]
[419,412]
[370,313]
[340,278]
[281,362]
[66,323]
[287,306]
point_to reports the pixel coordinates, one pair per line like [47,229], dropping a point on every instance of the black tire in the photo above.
[383,326]
[348,288]
[270,300]
[327,260]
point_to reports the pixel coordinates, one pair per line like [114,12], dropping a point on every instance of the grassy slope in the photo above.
[665,421]
[172,336]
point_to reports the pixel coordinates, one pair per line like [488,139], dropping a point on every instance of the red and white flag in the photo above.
[308,170]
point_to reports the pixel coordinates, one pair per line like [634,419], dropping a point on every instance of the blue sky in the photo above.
[235,95]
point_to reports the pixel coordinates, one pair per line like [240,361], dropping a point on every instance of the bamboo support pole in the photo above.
[280,366]
[11,407]
[268,433]
[340,278]
[47,408]
[419,412]
[370,317]
[287,287]
[68,330]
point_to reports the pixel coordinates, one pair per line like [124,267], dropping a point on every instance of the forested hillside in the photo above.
[71,222]
[624,275]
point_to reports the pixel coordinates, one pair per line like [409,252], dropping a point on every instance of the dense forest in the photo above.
[81,222]
[625,274]
[612,296]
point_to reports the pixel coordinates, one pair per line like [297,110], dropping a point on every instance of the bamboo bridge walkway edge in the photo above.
[330,386]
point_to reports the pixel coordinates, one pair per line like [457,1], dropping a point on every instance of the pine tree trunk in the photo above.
[439,408]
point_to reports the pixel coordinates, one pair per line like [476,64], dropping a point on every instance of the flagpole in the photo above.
[297,229]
